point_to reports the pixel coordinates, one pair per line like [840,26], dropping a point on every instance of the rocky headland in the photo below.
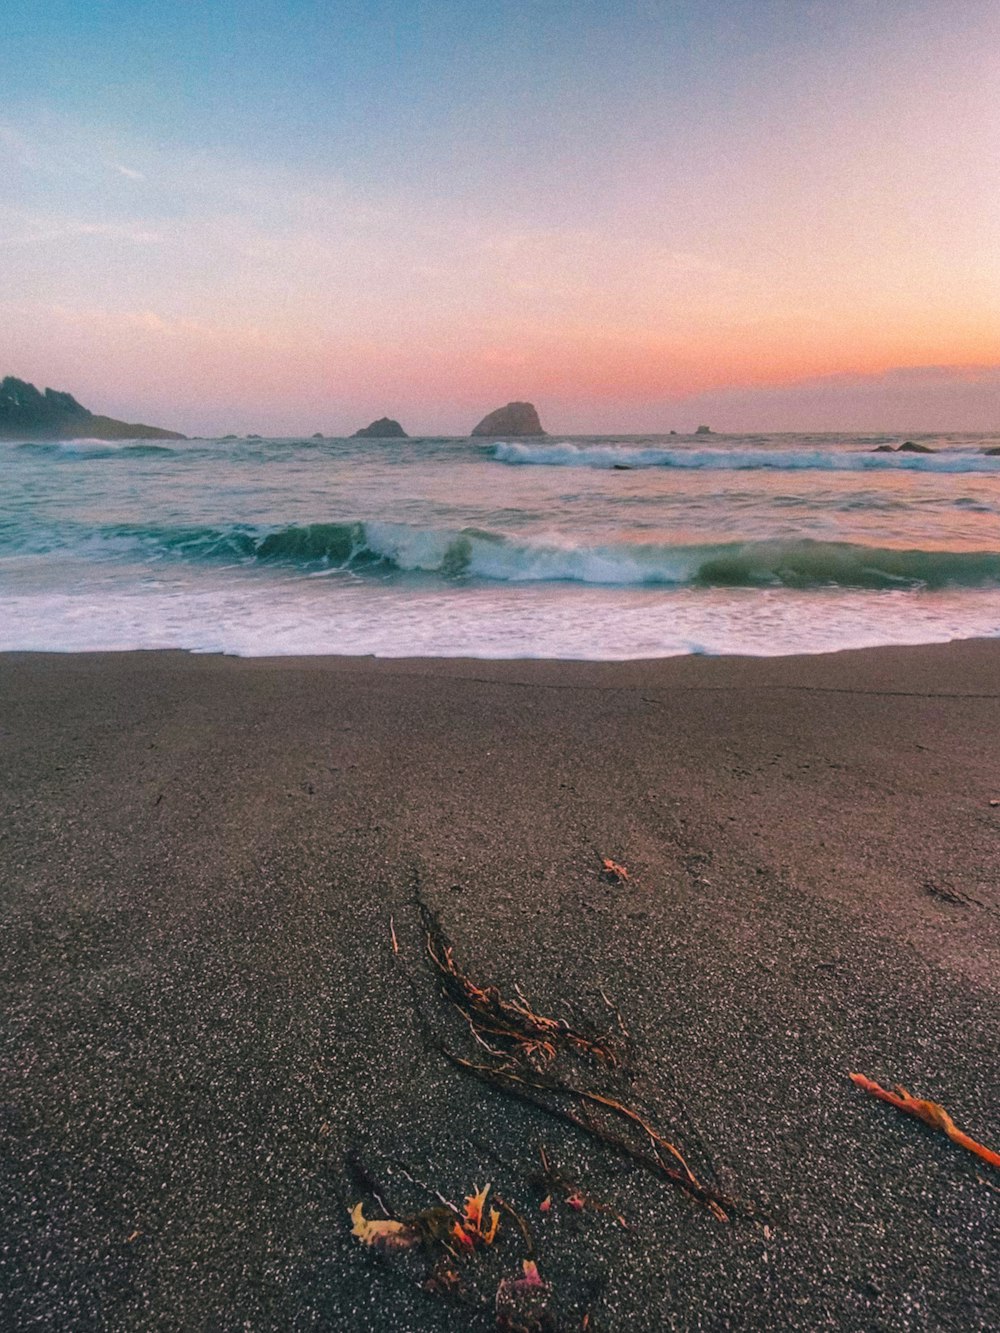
[514,419]
[28,414]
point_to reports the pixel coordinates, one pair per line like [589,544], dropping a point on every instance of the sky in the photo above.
[299,216]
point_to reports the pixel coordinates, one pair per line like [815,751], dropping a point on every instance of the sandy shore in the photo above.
[205,1022]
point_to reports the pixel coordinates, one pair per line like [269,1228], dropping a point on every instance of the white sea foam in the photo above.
[736,459]
[501,621]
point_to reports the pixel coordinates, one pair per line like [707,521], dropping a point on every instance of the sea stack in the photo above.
[383,429]
[704,430]
[27,414]
[514,419]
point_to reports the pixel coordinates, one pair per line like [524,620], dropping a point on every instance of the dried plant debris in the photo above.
[386,1234]
[523,1304]
[930,1113]
[445,1226]
[468,1253]
[435,1248]
[556,1184]
[525,1054]
[442,1250]
[508,1030]
[613,872]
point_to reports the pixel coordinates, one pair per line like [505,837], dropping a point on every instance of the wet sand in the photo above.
[204,1019]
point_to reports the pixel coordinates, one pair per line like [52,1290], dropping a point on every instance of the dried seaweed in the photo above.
[931,1114]
[523,1048]
[509,1030]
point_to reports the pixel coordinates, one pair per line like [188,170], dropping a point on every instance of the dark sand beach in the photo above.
[205,1026]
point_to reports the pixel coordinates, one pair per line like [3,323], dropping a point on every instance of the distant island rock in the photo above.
[319,435]
[27,414]
[907,447]
[514,419]
[703,430]
[383,429]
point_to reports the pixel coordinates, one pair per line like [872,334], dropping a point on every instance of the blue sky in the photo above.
[346,208]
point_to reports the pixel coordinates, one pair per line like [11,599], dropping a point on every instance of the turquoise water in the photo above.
[593,548]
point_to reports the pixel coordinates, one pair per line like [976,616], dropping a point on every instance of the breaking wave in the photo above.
[373,548]
[611,457]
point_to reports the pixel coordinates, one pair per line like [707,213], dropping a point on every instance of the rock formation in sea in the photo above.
[383,429]
[514,419]
[28,414]
[319,435]
[907,447]
[703,430]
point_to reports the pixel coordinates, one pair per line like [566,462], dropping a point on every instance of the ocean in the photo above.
[603,548]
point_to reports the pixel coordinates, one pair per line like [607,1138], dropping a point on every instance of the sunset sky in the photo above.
[287,217]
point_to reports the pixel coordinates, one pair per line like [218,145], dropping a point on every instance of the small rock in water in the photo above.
[907,447]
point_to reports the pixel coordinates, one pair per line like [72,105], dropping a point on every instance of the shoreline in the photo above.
[8,654]
[207,1022]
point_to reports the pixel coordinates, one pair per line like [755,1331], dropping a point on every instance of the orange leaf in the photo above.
[474,1206]
[930,1113]
[613,870]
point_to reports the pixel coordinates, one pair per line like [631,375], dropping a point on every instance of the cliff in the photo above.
[27,414]
[383,429]
[514,419]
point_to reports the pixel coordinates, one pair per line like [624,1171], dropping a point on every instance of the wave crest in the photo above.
[386,548]
[611,457]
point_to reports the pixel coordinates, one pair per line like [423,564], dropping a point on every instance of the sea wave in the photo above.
[93,448]
[373,548]
[612,457]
